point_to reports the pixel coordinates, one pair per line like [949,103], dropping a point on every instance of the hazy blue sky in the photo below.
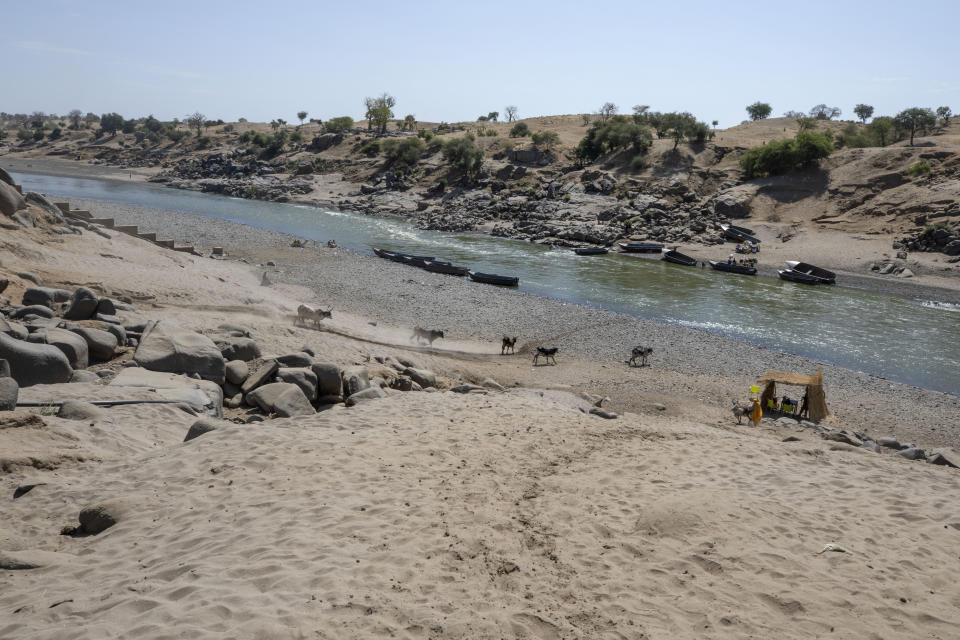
[454,61]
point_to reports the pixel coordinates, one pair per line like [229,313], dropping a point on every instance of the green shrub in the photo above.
[615,133]
[919,169]
[56,133]
[547,139]
[434,145]
[371,149]
[780,156]
[519,130]
[177,135]
[203,141]
[639,163]
[338,125]
[38,135]
[404,153]
[426,135]
[464,155]
[491,133]
[296,137]
[566,197]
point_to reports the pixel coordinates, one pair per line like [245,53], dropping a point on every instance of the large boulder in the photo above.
[295,360]
[355,379]
[170,348]
[202,396]
[370,393]
[32,363]
[735,202]
[10,200]
[83,305]
[205,425]
[303,378]
[45,296]
[238,348]
[329,382]
[6,177]
[79,410]
[423,377]
[237,371]
[72,345]
[13,329]
[102,344]
[282,398]
[33,310]
[97,518]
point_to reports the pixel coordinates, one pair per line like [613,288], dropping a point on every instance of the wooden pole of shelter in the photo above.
[817,399]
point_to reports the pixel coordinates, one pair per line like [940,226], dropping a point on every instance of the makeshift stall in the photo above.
[816,398]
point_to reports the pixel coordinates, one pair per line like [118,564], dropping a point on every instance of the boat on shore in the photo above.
[739,234]
[590,251]
[797,276]
[732,267]
[437,266]
[823,275]
[674,256]
[492,278]
[396,256]
[641,247]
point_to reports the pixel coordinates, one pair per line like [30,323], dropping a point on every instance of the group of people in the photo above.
[788,406]
[746,262]
[748,247]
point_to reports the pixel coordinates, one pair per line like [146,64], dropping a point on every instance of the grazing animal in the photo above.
[305,313]
[508,343]
[426,334]
[739,411]
[641,353]
[547,353]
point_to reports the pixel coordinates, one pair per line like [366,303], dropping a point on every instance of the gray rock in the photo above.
[465,388]
[913,453]
[370,393]
[239,348]
[9,393]
[234,402]
[603,413]
[201,396]
[237,371]
[13,329]
[303,378]
[118,332]
[890,443]
[205,425]
[72,345]
[329,380]
[266,372]
[23,218]
[404,383]
[295,360]
[106,307]
[10,200]
[423,377]
[45,296]
[355,379]
[102,344]
[845,436]
[493,384]
[4,369]
[282,398]
[79,410]
[945,457]
[230,390]
[100,517]
[174,350]
[83,305]
[33,310]
[872,446]
[735,202]
[4,283]
[84,376]
[6,177]
[45,203]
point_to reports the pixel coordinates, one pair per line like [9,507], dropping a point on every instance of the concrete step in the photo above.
[151,237]
[106,222]
[129,229]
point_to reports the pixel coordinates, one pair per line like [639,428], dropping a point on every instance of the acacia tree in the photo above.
[75,117]
[881,129]
[823,112]
[111,123]
[914,119]
[409,122]
[863,112]
[493,115]
[511,111]
[379,111]
[759,110]
[196,120]
[302,115]
[944,113]
[606,110]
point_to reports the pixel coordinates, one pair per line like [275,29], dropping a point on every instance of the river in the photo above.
[907,340]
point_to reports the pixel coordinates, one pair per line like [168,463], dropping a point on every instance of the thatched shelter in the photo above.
[816,398]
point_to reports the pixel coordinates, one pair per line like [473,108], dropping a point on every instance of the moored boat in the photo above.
[823,275]
[437,266]
[797,276]
[396,256]
[492,278]
[641,247]
[590,251]
[732,267]
[739,234]
[674,256]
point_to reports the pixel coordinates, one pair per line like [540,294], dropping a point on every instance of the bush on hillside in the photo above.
[403,154]
[547,139]
[371,149]
[464,155]
[614,134]
[519,130]
[338,125]
[781,156]
[919,169]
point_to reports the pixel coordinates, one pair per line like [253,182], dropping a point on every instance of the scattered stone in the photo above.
[890,443]
[872,446]
[106,307]
[423,377]
[83,305]
[102,344]
[44,296]
[603,413]
[33,310]
[32,363]
[13,329]
[295,360]
[845,436]
[355,379]
[237,371]
[946,457]
[239,348]
[370,393]
[172,349]
[791,439]
[233,402]
[204,425]
[84,376]
[913,453]
[303,378]
[266,372]
[282,398]
[467,388]
[200,395]
[100,517]
[493,384]
[9,393]
[79,410]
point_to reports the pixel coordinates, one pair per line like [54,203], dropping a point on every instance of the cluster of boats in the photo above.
[430,263]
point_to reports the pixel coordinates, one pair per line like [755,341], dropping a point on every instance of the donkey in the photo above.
[641,353]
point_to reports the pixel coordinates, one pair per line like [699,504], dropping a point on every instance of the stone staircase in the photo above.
[129,229]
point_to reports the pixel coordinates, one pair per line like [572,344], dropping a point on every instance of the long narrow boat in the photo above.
[491,278]
[674,256]
[590,251]
[641,247]
[824,276]
[739,234]
[396,256]
[437,266]
[797,276]
[747,270]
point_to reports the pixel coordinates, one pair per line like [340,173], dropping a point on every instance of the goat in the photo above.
[508,343]
[547,353]
[317,315]
[426,334]
[642,353]
[739,411]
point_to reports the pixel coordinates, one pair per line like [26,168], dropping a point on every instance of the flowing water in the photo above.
[913,341]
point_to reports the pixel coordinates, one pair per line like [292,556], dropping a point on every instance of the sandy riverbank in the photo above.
[440,515]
